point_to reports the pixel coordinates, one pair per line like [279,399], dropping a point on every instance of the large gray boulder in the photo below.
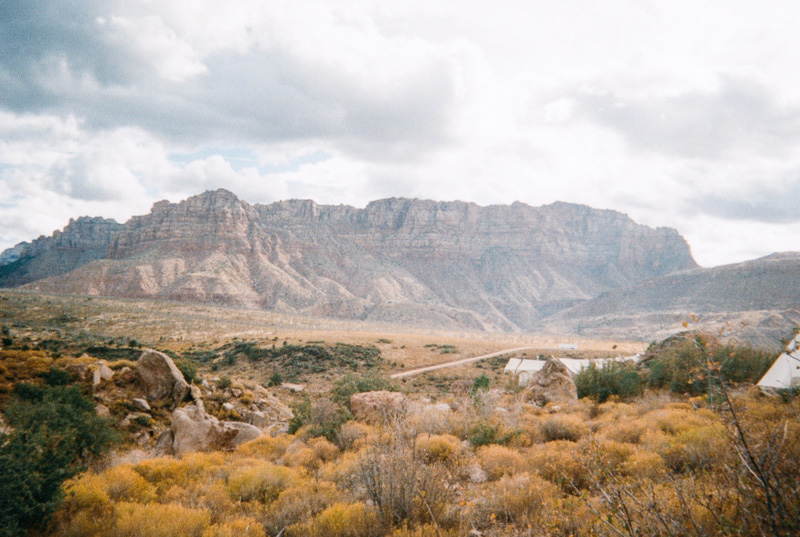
[160,377]
[195,430]
[246,432]
[553,383]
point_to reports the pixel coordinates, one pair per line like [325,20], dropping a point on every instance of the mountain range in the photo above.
[407,261]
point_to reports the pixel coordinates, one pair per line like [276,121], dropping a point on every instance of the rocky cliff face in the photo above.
[82,241]
[441,263]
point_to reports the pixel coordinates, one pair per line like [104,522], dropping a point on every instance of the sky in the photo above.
[679,114]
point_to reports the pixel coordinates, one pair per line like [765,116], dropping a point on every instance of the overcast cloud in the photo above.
[680,114]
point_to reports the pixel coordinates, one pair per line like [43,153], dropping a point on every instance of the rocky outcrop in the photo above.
[160,378]
[447,264]
[552,383]
[82,241]
[378,406]
[195,430]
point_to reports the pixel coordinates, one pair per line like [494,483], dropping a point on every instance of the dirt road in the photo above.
[454,363]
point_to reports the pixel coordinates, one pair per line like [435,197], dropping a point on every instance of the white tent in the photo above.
[524,369]
[785,372]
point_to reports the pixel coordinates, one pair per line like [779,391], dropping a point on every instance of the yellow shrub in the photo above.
[261,481]
[341,520]
[353,434]
[161,472]
[159,520]
[216,499]
[560,462]
[612,455]
[301,455]
[323,448]
[562,427]
[499,460]
[267,447]
[521,499]
[698,448]
[116,365]
[627,431]
[240,527]
[342,469]
[87,492]
[444,448]
[643,464]
[426,530]
[124,484]
[300,503]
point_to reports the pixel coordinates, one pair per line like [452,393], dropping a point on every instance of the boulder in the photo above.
[160,377]
[257,418]
[552,383]
[273,408]
[195,430]
[102,411]
[164,443]
[246,432]
[477,474]
[141,404]
[195,392]
[379,405]
[101,372]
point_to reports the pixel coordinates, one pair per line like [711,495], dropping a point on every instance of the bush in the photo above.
[562,428]
[55,433]
[523,500]
[480,384]
[188,369]
[342,520]
[499,461]
[612,378]
[350,384]
[236,528]
[482,433]
[158,520]
[320,417]
[262,482]
[57,377]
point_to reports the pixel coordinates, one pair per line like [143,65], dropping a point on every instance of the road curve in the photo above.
[454,363]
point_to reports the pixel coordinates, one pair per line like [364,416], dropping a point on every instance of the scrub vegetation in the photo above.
[683,444]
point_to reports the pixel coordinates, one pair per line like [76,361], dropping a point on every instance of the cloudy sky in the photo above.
[680,114]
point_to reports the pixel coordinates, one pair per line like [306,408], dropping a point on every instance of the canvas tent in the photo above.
[785,372]
[524,369]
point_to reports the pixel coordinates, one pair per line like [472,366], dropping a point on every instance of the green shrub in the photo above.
[321,417]
[612,378]
[480,384]
[224,383]
[188,369]
[743,364]
[690,366]
[55,433]
[57,377]
[350,384]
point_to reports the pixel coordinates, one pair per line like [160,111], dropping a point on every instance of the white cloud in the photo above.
[681,113]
